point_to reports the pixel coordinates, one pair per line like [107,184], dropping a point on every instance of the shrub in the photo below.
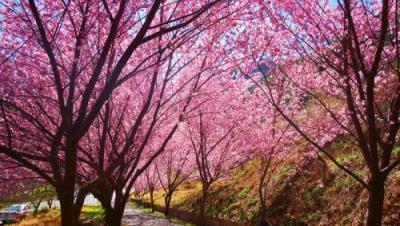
[244,193]
[251,203]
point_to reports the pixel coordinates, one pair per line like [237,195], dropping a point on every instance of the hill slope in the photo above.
[318,194]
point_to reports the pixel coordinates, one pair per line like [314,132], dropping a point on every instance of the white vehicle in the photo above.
[15,213]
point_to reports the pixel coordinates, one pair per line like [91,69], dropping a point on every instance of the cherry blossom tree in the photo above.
[137,125]
[152,182]
[173,168]
[341,58]
[140,189]
[62,60]
[271,148]
[212,136]
[129,143]
[16,181]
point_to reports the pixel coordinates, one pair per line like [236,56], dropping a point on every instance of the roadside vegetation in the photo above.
[46,217]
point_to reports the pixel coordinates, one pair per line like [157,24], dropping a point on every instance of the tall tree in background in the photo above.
[211,135]
[173,168]
[151,180]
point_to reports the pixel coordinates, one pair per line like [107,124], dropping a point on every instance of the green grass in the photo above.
[244,193]
[252,202]
[348,158]
[286,170]
[92,212]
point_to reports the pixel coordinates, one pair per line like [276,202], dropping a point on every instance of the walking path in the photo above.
[137,217]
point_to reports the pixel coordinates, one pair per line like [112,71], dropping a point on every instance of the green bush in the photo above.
[251,203]
[211,212]
[244,193]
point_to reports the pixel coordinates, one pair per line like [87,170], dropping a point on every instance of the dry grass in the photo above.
[51,218]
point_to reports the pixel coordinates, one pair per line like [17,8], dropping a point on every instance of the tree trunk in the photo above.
[104,193]
[203,204]
[167,204]
[78,205]
[36,206]
[67,209]
[375,201]
[263,208]
[152,200]
[70,210]
[66,190]
[49,203]
[108,209]
[113,217]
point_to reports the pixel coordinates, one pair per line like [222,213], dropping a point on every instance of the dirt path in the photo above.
[137,217]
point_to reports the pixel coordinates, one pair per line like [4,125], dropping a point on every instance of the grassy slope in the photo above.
[319,195]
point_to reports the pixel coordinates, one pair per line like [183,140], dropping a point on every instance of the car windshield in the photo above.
[14,208]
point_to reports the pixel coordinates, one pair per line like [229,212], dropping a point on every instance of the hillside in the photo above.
[319,194]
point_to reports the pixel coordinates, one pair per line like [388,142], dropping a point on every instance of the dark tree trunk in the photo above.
[375,201]
[112,213]
[50,203]
[152,200]
[67,209]
[261,195]
[104,193]
[263,207]
[108,209]
[113,216]
[36,206]
[70,210]
[167,204]
[203,204]
[66,189]
[78,205]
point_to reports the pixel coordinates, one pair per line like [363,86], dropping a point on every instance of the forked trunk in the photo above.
[114,214]
[152,200]
[167,204]
[49,203]
[113,217]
